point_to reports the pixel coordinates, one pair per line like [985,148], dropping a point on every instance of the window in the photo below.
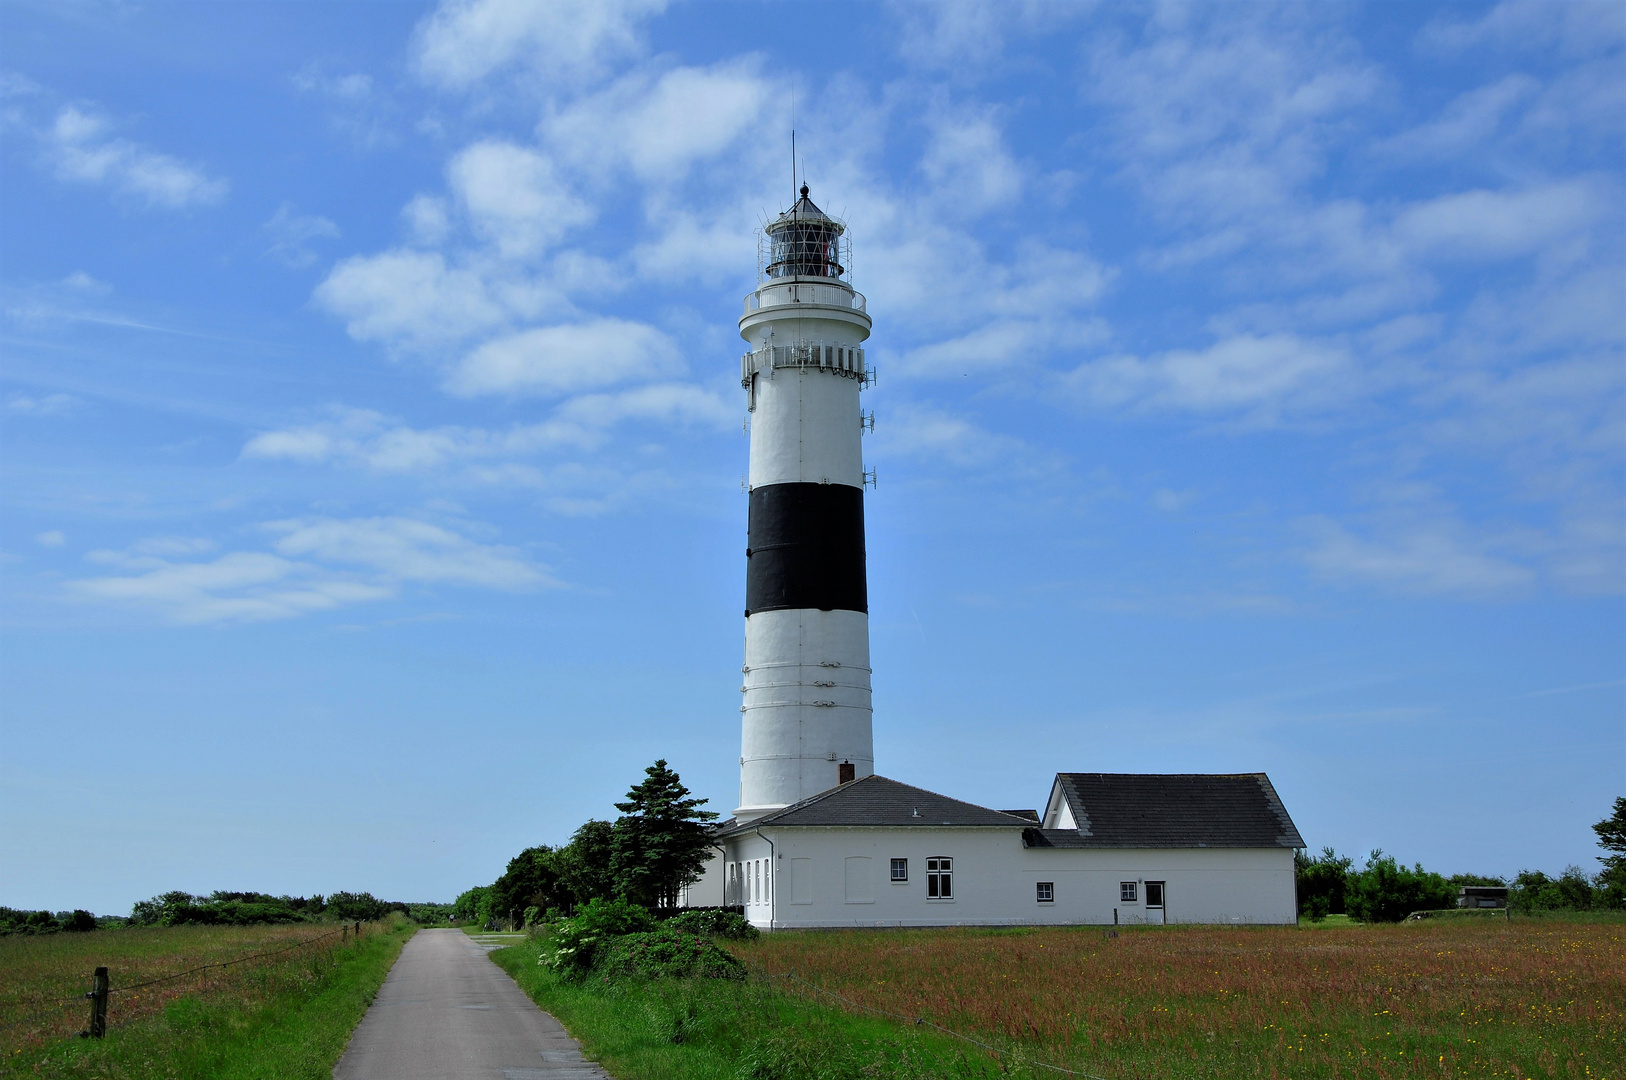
[940,879]
[900,869]
[1154,894]
[1047,892]
[1126,892]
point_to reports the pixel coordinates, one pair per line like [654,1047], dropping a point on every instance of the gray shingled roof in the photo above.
[1171,810]
[878,801]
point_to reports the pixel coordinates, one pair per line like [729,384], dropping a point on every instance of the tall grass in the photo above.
[1537,999]
[723,1029]
[1530,999]
[288,1015]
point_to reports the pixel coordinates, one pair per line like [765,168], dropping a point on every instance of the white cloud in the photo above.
[321,564]
[557,41]
[1220,113]
[965,38]
[659,126]
[934,434]
[1464,124]
[409,297]
[291,234]
[1431,559]
[46,405]
[171,547]
[561,359]
[53,538]
[427,220]
[515,197]
[358,109]
[1172,502]
[673,403]
[968,164]
[1497,224]
[239,587]
[360,437]
[80,149]
[404,549]
[1573,28]
[1262,377]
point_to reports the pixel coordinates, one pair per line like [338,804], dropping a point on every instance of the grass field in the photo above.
[1455,998]
[285,1015]
[1476,998]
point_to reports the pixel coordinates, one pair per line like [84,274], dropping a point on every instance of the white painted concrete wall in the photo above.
[804,429]
[708,891]
[806,705]
[995,880]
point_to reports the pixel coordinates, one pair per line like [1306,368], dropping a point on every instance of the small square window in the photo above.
[1126,892]
[900,869]
[1047,892]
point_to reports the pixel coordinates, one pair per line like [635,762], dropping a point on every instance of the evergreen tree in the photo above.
[662,840]
[1612,837]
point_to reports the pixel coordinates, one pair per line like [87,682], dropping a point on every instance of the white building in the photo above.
[1111,849]
[818,839]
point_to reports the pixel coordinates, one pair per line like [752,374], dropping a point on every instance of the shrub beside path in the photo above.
[446,1012]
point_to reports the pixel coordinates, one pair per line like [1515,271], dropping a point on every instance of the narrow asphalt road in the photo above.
[446,1012]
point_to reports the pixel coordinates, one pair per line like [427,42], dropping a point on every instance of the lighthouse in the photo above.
[806,718]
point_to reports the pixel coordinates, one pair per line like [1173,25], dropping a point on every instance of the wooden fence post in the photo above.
[358,927]
[98,1004]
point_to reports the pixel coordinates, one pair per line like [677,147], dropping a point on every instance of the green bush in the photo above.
[714,923]
[1322,882]
[251,908]
[1385,891]
[1533,890]
[576,940]
[666,954]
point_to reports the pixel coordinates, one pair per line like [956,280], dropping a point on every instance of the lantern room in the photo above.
[804,241]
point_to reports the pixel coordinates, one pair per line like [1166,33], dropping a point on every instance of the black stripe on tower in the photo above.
[806,549]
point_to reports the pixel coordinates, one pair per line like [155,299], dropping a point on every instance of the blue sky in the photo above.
[1250,397]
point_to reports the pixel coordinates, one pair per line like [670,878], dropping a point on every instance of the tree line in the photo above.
[223,908]
[656,847]
[1385,890]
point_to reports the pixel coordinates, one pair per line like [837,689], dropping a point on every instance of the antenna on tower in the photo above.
[793,138]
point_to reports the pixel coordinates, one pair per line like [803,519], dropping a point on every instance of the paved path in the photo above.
[446,1012]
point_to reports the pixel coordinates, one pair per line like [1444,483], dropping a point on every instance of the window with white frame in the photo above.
[940,879]
[1126,892]
[900,869]
[1046,892]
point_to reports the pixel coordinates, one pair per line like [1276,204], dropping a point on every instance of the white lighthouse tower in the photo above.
[806,716]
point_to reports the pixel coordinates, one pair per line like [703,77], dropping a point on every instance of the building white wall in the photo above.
[996,877]
[708,891]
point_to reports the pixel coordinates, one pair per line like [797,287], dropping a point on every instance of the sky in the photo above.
[1250,397]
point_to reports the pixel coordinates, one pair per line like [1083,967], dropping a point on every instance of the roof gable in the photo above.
[1183,810]
[879,801]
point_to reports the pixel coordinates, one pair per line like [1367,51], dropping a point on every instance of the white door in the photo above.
[1154,902]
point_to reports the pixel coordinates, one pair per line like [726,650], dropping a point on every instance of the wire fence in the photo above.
[918,1021]
[46,1010]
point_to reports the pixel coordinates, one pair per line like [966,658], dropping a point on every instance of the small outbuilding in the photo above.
[1108,848]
